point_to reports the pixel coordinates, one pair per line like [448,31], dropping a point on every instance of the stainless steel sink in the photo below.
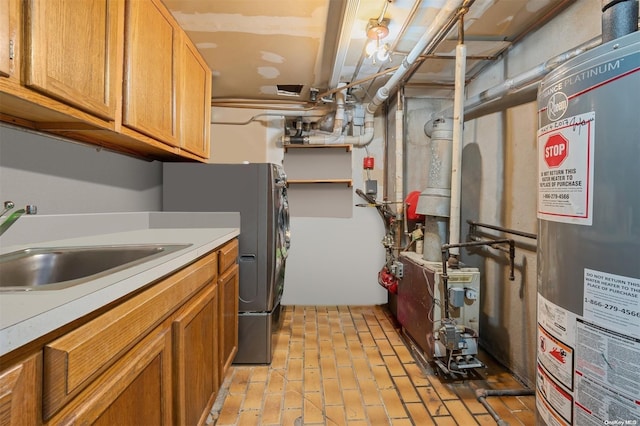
[54,268]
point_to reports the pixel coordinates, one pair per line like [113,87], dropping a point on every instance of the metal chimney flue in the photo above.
[619,18]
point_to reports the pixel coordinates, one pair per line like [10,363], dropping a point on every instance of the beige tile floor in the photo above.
[349,365]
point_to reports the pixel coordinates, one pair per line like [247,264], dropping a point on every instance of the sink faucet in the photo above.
[10,220]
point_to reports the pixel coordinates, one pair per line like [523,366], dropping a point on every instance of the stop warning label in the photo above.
[565,170]
[555,150]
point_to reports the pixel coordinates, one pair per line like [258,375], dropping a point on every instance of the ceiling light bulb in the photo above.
[371,48]
[382,54]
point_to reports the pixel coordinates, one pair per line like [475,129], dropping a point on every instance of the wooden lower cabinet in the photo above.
[228,325]
[156,358]
[75,359]
[136,390]
[20,394]
[195,343]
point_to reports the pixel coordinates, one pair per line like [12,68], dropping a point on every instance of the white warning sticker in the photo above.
[612,301]
[565,170]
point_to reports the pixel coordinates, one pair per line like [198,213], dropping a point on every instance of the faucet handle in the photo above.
[8,205]
[31,209]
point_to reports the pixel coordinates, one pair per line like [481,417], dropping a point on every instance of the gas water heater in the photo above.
[588,315]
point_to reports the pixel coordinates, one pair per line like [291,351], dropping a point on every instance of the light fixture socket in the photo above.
[377,30]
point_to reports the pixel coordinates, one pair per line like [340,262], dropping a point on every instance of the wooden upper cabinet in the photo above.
[116,73]
[74,54]
[5,39]
[195,101]
[152,43]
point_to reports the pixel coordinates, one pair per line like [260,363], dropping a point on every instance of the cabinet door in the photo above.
[228,330]
[151,72]
[20,394]
[74,359]
[195,101]
[135,391]
[195,358]
[228,255]
[5,39]
[74,52]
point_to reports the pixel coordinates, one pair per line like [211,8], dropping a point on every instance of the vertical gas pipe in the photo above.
[456,156]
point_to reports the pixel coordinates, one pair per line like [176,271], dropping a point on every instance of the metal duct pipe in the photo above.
[533,75]
[619,18]
[435,200]
[336,137]
[478,105]
[624,13]
[327,138]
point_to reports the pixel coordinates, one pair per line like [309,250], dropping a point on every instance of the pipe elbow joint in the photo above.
[371,108]
[481,393]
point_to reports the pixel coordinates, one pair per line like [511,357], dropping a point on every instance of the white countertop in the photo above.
[25,316]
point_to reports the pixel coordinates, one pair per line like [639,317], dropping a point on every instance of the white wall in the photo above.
[255,142]
[63,177]
[332,261]
[335,261]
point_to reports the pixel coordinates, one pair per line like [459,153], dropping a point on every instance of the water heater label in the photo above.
[565,170]
[555,363]
[612,301]
[587,369]
[606,376]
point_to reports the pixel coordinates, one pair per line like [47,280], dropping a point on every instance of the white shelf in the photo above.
[320,180]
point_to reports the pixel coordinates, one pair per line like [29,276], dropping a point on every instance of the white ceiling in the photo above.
[252,46]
